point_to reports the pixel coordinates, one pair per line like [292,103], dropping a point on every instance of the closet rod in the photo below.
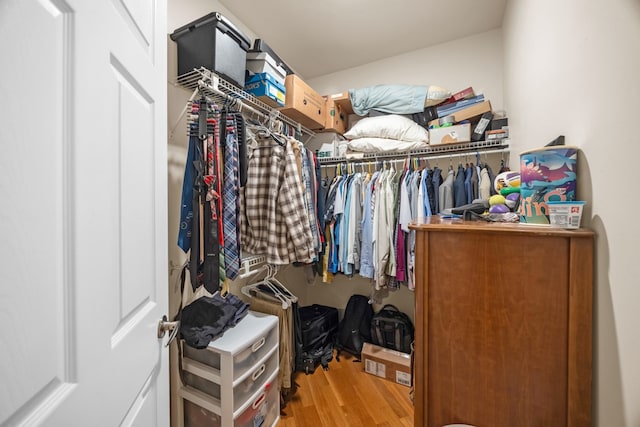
[372,161]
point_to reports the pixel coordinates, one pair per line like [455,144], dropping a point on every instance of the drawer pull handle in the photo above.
[258,401]
[258,372]
[256,346]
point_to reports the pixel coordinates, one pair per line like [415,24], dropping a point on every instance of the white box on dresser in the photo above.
[234,381]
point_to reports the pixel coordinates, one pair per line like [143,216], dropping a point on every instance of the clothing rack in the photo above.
[375,159]
[220,91]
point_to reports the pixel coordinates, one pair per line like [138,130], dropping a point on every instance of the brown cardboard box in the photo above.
[450,134]
[303,104]
[342,99]
[387,363]
[335,118]
[471,112]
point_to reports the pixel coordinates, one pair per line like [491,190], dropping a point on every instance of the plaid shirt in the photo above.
[275,221]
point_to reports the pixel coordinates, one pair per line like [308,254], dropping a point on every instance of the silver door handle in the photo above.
[173,327]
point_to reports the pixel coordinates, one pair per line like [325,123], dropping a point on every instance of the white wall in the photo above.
[573,68]
[472,61]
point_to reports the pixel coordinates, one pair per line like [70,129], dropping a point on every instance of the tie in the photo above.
[230,200]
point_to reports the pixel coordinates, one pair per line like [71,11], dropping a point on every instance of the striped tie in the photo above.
[230,205]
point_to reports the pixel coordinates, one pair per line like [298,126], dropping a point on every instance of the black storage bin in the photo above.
[214,43]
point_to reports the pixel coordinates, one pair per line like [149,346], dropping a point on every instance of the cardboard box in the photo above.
[342,99]
[450,134]
[266,88]
[387,363]
[303,104]
[335,118]
[469,113]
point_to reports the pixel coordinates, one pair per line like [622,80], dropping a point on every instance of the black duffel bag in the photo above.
[391,328]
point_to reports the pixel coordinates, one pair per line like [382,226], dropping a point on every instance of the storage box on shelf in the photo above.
[260,45]
[303,104]
[234,381]
[342,100]
[266,88]
[212,42]
[336,119]
[450,134]
[262,62]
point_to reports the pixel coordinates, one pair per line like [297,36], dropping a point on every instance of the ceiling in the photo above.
[316,38]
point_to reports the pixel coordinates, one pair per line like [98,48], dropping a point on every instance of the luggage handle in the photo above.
[258,372]
[390,306]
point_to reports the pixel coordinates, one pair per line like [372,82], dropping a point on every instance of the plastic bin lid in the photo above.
[222,23]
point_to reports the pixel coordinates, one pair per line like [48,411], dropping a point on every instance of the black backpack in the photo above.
[392,328]
[355,327]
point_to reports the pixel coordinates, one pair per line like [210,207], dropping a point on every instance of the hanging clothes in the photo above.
[275,220]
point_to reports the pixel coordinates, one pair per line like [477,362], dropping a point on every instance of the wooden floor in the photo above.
[347,396]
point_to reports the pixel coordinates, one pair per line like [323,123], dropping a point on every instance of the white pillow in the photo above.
[390,126]
[384,145]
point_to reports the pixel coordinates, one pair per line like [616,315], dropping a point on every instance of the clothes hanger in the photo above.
[286,293]
[266,287]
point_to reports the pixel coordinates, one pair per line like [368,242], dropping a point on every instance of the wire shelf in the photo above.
[222,92]
[500,145]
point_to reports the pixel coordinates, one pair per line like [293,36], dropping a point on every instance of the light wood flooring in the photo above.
[347,396]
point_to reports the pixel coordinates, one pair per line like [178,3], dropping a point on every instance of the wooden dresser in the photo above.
[503,324]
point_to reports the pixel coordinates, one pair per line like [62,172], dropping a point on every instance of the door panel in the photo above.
[83,218]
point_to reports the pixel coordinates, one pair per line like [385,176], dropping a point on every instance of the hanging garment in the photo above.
[437,181]
[446,192]
[459,191]
[186,201]
[366,245]
[275,222]
[230,196]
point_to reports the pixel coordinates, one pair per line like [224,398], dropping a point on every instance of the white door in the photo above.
[83,215]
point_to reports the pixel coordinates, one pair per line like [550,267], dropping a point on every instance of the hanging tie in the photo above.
[230,205]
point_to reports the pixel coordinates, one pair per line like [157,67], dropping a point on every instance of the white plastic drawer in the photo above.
[241,347]
[197,416]
[195,375]
[263,409]
[245,361]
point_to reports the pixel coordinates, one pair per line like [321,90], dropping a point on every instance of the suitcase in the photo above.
[315,329]
[319,324]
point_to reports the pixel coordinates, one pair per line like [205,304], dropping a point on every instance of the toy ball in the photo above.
[506,179]
[497,199]
[511,200]
[498,209]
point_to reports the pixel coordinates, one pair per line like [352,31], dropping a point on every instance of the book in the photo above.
[463,94]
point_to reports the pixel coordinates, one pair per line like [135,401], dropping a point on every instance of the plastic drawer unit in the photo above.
[234,381]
